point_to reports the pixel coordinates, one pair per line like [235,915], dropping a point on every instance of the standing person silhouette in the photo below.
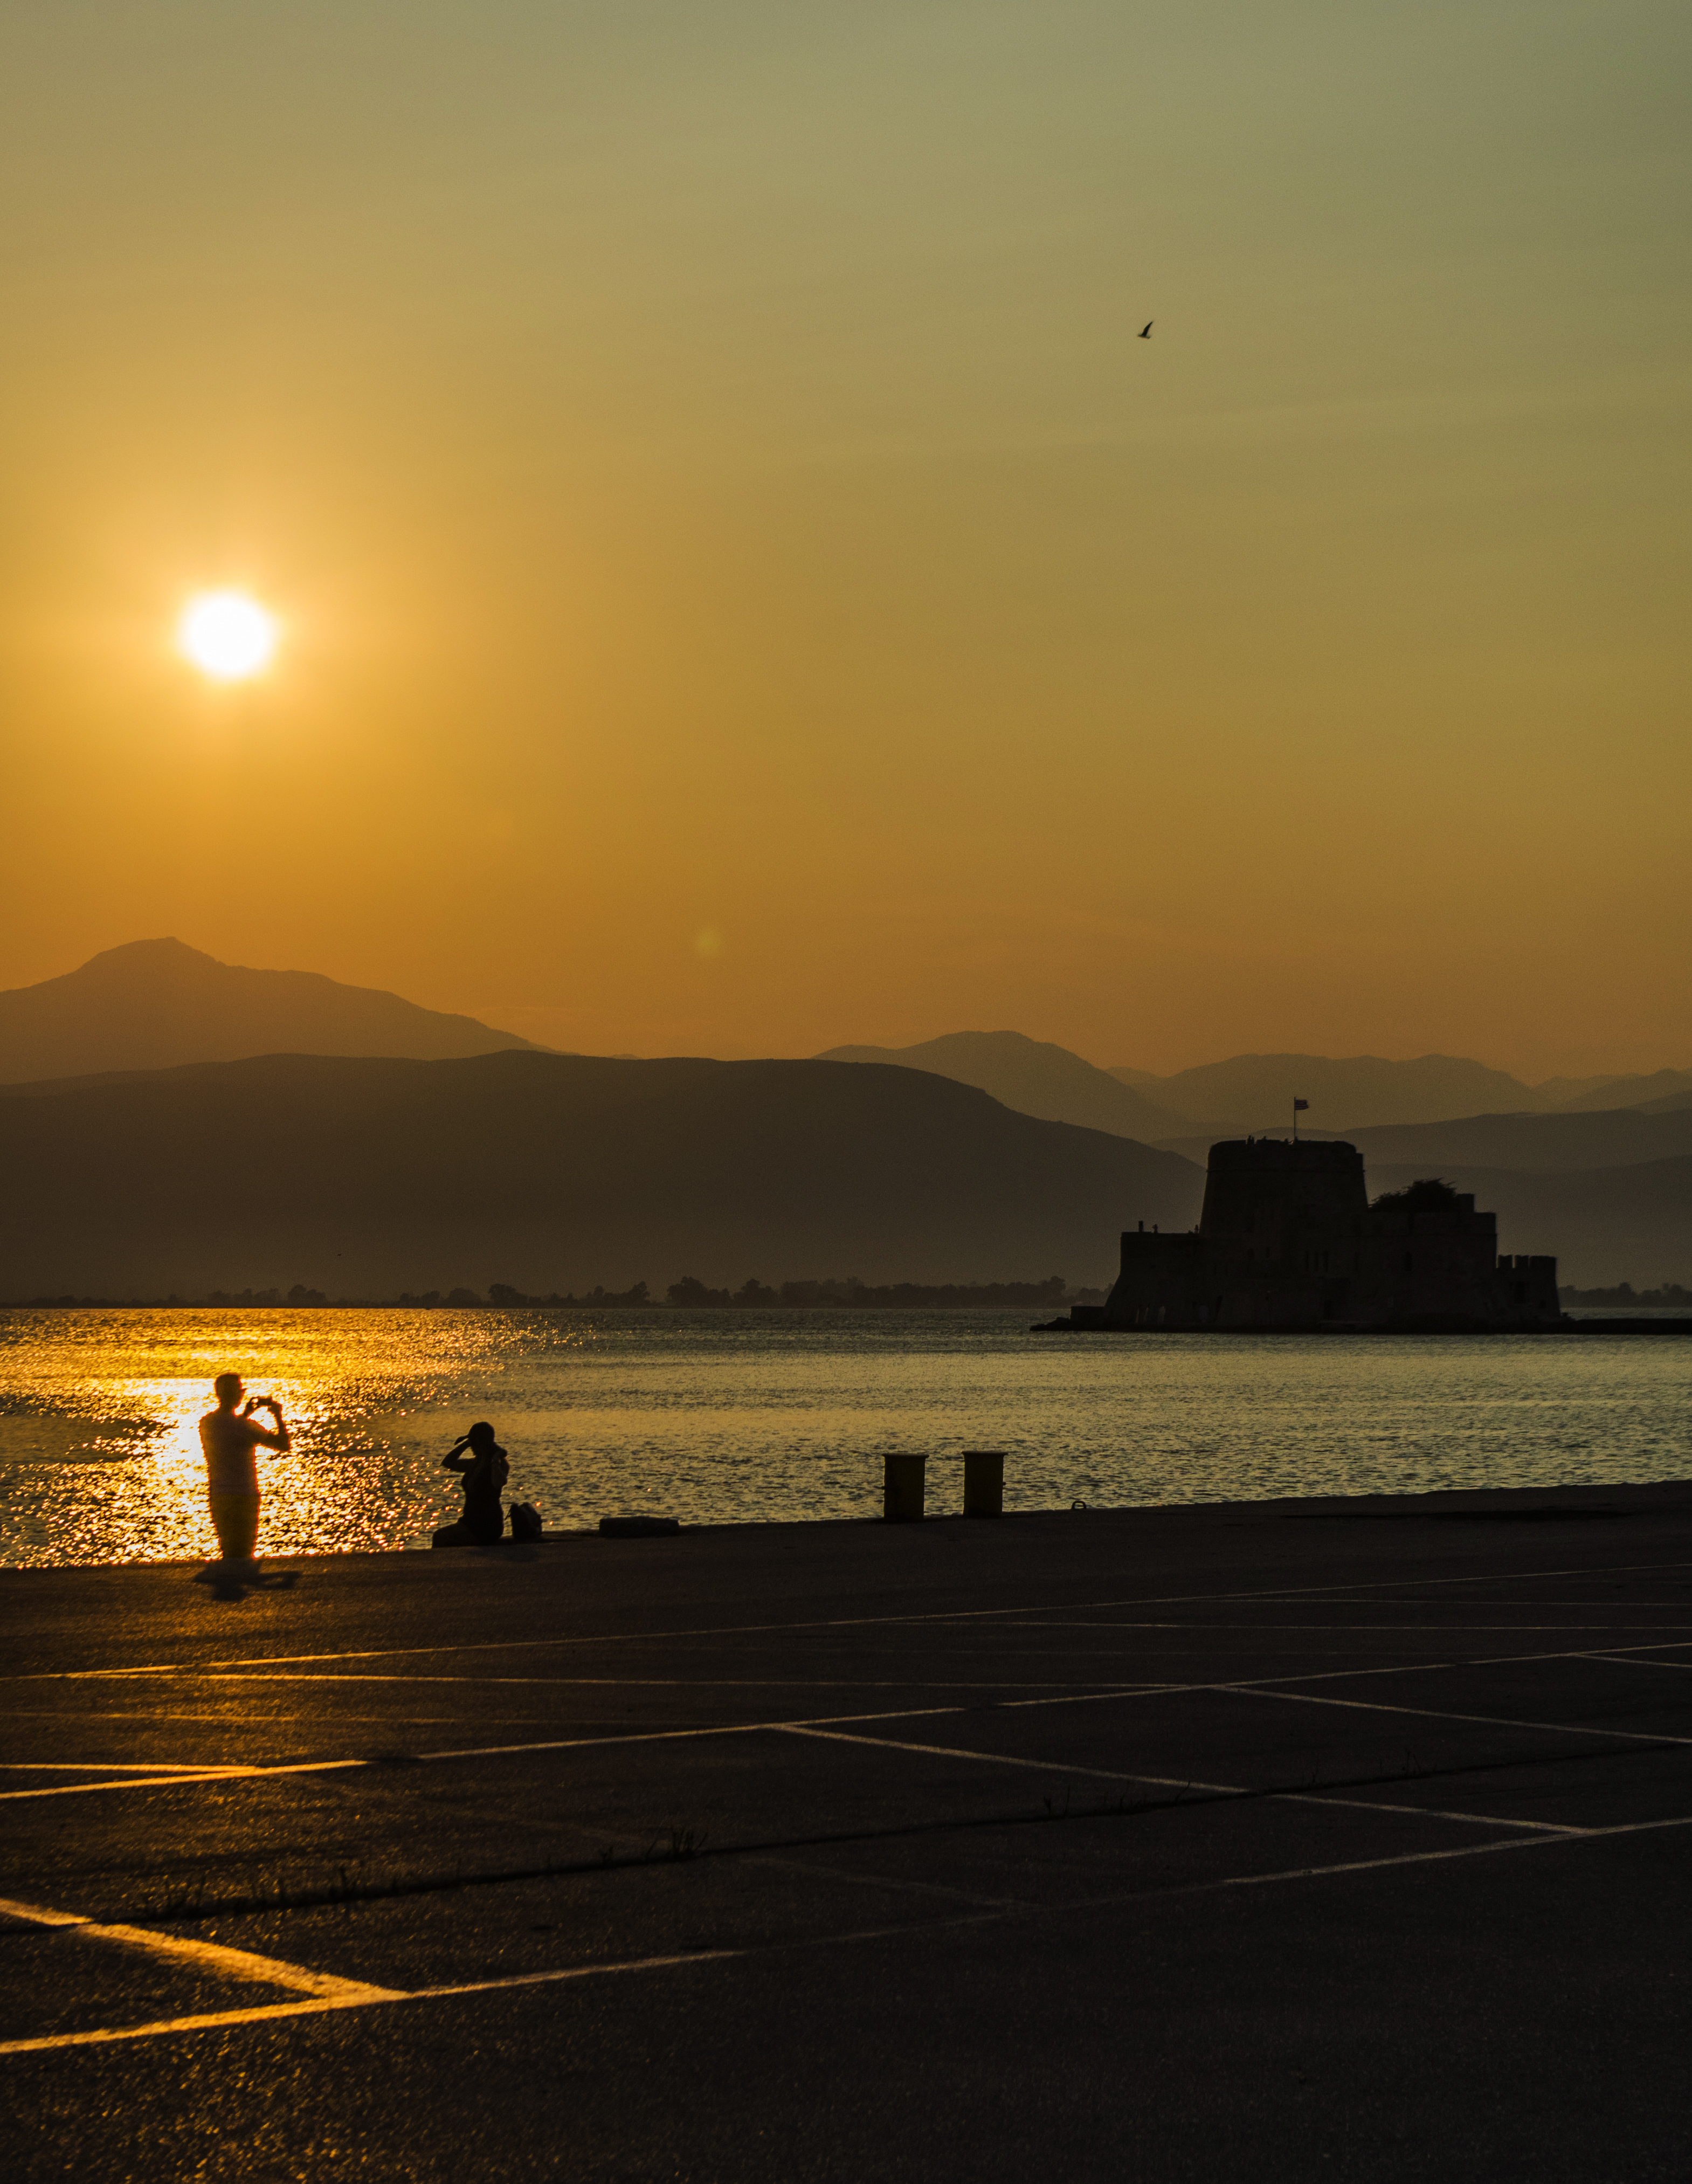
[228,1437]
[486,1472]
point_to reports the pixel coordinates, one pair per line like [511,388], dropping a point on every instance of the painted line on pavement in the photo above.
[1267,1686]
[1191,1782]
[1269,1629]
[687,1683]
[161,1767]
[204,1956]
[378,1998]
[852,1622]
[184,1781]
[368,1999]
[1625,1656]
[1438,1713]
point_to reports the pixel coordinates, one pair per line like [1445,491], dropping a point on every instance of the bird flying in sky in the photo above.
[1145,331]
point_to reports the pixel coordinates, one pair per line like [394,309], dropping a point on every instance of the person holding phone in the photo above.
[231,1437]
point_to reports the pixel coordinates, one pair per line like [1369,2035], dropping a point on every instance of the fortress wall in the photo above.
[1288,1239]
[1162,1281]
[1280,1197]
[1425,1263]
[1527,1287]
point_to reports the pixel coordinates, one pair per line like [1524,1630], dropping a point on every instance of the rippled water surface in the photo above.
[728,1415]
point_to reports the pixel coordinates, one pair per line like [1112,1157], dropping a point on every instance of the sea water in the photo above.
[740,1416]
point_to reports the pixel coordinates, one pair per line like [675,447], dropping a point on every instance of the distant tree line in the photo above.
[845,1293]
[692,1295]
[503,1298]
[296,1298]
[894,1296]
[1625,1293]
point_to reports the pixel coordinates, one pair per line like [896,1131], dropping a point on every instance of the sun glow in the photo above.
[227,636]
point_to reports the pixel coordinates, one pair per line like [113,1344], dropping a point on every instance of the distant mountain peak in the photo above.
[130,953]
[158,1004]
[1033,1075]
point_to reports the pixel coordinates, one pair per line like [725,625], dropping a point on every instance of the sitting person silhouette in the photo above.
[486,1471]
[229,1438]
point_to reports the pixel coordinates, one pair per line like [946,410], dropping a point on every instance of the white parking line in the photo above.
[183,1781]
[204,1956]
[378,1997]
[165,1767]
[1382,1629]
[1266,1686]
[1438,1713]
[1191,1782]
[853,1622]
[1626,1657]
[364,1999]
[676,1683]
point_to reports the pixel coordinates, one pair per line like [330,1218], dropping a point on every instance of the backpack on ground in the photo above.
[526,1521]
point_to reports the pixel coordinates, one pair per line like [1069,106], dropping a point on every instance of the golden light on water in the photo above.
[100,1458]
[227,635]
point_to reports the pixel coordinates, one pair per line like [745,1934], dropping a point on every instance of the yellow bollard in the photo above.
[902,1489]
[983,1482]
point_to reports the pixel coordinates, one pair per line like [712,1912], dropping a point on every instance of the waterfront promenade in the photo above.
[1256,1840]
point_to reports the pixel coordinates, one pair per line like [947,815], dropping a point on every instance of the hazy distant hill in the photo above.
[1253,1092]
[363,1178]
[1531,1143]
[1534,1143]
[1557,1092]
[1031,1076]
[1651,1092]
[1606,1225]
[155,1004]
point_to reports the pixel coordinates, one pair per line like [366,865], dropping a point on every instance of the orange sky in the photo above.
[749,589]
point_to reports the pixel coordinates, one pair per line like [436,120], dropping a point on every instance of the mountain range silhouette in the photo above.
[170,1122]
[550,1172]
[155,1004]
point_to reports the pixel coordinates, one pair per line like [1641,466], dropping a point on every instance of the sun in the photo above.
[227,636]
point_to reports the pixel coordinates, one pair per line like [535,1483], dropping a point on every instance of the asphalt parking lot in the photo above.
[1242,1841]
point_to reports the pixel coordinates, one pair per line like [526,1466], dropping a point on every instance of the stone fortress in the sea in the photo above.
[1289,1240]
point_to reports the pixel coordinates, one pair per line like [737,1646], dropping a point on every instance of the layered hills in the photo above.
[1538,1144]
[1253,1092]
[1031,1075]
[1534,1144]
[1663,1090]
[611,1170]
[364,1177]
[1601,1186]
[155,1004]
[1605,1225]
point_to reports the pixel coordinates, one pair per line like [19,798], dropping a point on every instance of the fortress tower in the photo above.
[1288,1239]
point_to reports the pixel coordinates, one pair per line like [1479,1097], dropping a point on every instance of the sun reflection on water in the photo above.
[99,1412]
[732,1417]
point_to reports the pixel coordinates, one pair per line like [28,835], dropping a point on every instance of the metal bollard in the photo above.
[983,1482]
[902,1489]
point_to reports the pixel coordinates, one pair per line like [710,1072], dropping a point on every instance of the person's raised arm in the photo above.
[454,1460]
[279,1439]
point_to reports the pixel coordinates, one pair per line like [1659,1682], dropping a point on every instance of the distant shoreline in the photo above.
[846,1294]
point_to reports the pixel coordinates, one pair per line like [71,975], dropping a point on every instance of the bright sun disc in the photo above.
[227,635]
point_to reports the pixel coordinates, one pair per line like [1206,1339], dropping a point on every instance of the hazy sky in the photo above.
[748,588]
